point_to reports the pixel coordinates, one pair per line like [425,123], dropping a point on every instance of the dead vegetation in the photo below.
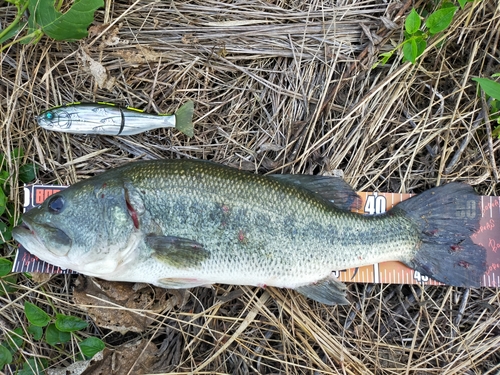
[279,86]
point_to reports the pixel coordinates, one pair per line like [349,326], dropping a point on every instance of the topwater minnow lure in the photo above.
[109,119]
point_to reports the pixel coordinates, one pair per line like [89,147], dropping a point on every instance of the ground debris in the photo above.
[98,71]
[132,358]
[76,368]
[118,306]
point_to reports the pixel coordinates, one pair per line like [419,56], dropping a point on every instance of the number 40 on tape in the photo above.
[375,204]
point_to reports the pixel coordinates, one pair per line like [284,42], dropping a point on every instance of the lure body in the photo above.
[109,119]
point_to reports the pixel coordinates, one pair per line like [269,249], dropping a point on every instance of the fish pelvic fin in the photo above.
[446,217]
[182,283]
[184,119]
[329,291]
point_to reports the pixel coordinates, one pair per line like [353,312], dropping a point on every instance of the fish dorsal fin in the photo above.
[329,291]
[333,189]
[176,251]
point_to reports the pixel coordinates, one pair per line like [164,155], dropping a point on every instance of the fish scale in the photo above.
[318,221]
[185,223]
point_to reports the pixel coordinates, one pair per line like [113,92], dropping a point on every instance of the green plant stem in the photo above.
[35,35]
[49,300]
[59,5]
[20,11]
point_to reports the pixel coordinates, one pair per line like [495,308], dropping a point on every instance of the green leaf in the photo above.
[440,19]
[5,356]
[4,176]
[490,87]
[65,323]
[6,345]
[448,4]
[496,132]
[412,22]
[34,366]
[462,3]
[36,315]
[53,336]
[36,332]
[421,44]
[17,153]
[27,172]
[495,106]
[384,58]
[15,339]
[91,346]
[410,50]
[3,201]
[71,25]
[5,266]
[5,232]
[12,32]
[8,284]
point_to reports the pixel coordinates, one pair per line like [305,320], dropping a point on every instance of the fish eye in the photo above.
[56,204]
[49,115]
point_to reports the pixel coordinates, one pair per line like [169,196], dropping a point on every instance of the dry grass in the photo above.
[279,86]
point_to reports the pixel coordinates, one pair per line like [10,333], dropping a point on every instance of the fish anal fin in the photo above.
[329,291]
[182,283]
[333,189]
[176,251]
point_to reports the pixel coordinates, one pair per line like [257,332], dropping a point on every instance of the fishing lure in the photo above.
[109,119]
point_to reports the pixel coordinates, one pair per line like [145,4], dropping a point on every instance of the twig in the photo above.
[477,123]
[491,152]
[383,34]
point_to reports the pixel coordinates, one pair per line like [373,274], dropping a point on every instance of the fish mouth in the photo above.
[27,238]
[21,231]
[44,123]
[40,120]
[43,238]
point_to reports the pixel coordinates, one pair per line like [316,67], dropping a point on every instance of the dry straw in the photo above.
[279,86]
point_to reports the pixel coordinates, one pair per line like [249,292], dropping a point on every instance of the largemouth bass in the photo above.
[187,223]
[109,119]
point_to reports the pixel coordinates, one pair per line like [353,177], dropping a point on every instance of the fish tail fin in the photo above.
[184,119]
[446,217]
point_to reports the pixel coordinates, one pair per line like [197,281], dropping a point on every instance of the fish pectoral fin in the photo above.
[181,283]
[329,291]
[176,251]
